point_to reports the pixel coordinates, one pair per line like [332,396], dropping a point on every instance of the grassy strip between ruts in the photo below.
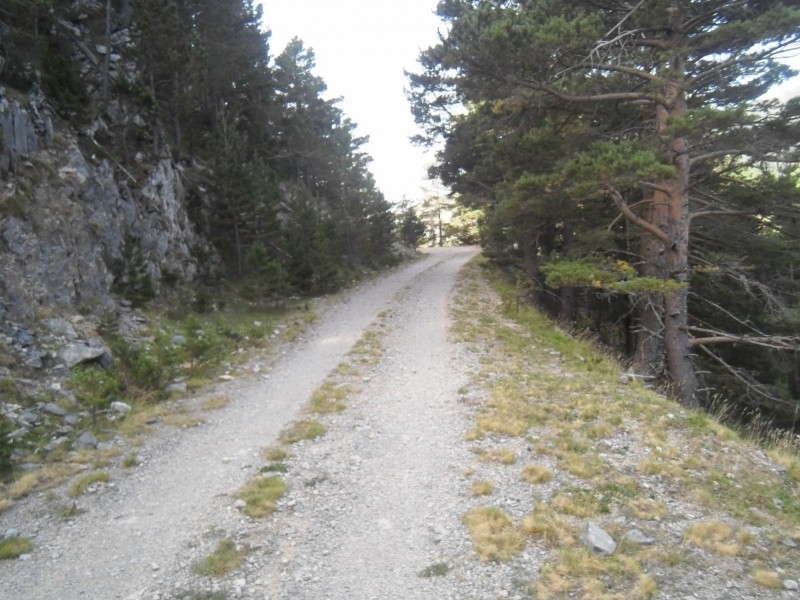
[613,451]
[261,493]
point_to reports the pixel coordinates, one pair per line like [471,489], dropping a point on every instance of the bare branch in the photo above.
[716,154]
[621,216]
[620,96]
[623,207]
[775,342]
[748,382]
[656,187]
[625,18]
[732,213]
[631,71]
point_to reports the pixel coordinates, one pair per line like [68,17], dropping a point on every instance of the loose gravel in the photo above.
[374,507]
[387,475]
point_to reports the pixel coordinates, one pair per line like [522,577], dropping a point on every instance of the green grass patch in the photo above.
[439,569]
[260,495]
[274,454]
[278,467]
[330,398]
[225,559]
[302,430]
[14,547]
[82,483]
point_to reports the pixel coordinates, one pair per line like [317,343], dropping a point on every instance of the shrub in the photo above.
[94,388]
[6,445]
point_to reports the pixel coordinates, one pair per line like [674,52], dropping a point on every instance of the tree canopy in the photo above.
[628,163]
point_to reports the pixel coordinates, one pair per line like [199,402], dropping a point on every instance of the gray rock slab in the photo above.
[54,409]
[120,408]
[76,354]
[86,440]
[597,540]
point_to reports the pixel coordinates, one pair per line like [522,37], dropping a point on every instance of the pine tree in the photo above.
[642,109]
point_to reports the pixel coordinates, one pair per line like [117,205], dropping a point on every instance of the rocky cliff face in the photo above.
[66,214]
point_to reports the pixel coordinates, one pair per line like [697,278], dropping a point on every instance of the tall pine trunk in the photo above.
[676,254]
[648,356]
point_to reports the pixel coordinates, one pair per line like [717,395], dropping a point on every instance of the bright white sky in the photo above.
[361,49]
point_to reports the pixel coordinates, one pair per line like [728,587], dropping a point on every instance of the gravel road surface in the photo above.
[387,497]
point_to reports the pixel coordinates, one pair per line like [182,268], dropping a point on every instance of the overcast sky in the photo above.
[361,48]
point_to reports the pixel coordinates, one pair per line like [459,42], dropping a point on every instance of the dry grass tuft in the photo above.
[45,478]
[14,547]
[537,474]
[714,536]
[330,398]
[494,536]
[215,403]
[646,509]
[274,454]
[502,456]
[482,488]
[80,485]
[546,526]
[767,579]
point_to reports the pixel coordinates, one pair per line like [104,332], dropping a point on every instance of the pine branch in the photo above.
[609,97]
[623,207]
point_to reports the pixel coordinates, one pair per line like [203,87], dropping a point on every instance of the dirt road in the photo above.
[387,475]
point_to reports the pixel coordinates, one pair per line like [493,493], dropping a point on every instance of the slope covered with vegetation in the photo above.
[632,172]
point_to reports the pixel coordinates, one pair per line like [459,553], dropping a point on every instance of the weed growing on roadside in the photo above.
[439,569]
[80,485]
[274,454]
[482,488]
[14,547]
[130,461]
[226,558]
[302,430]
[68,511]
[275,468]
[260,495]
[330,398]
[494,536]
[215,403]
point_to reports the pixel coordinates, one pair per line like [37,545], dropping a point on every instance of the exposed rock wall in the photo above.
[65,215]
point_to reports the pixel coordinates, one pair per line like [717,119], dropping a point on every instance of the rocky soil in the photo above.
[374,507]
